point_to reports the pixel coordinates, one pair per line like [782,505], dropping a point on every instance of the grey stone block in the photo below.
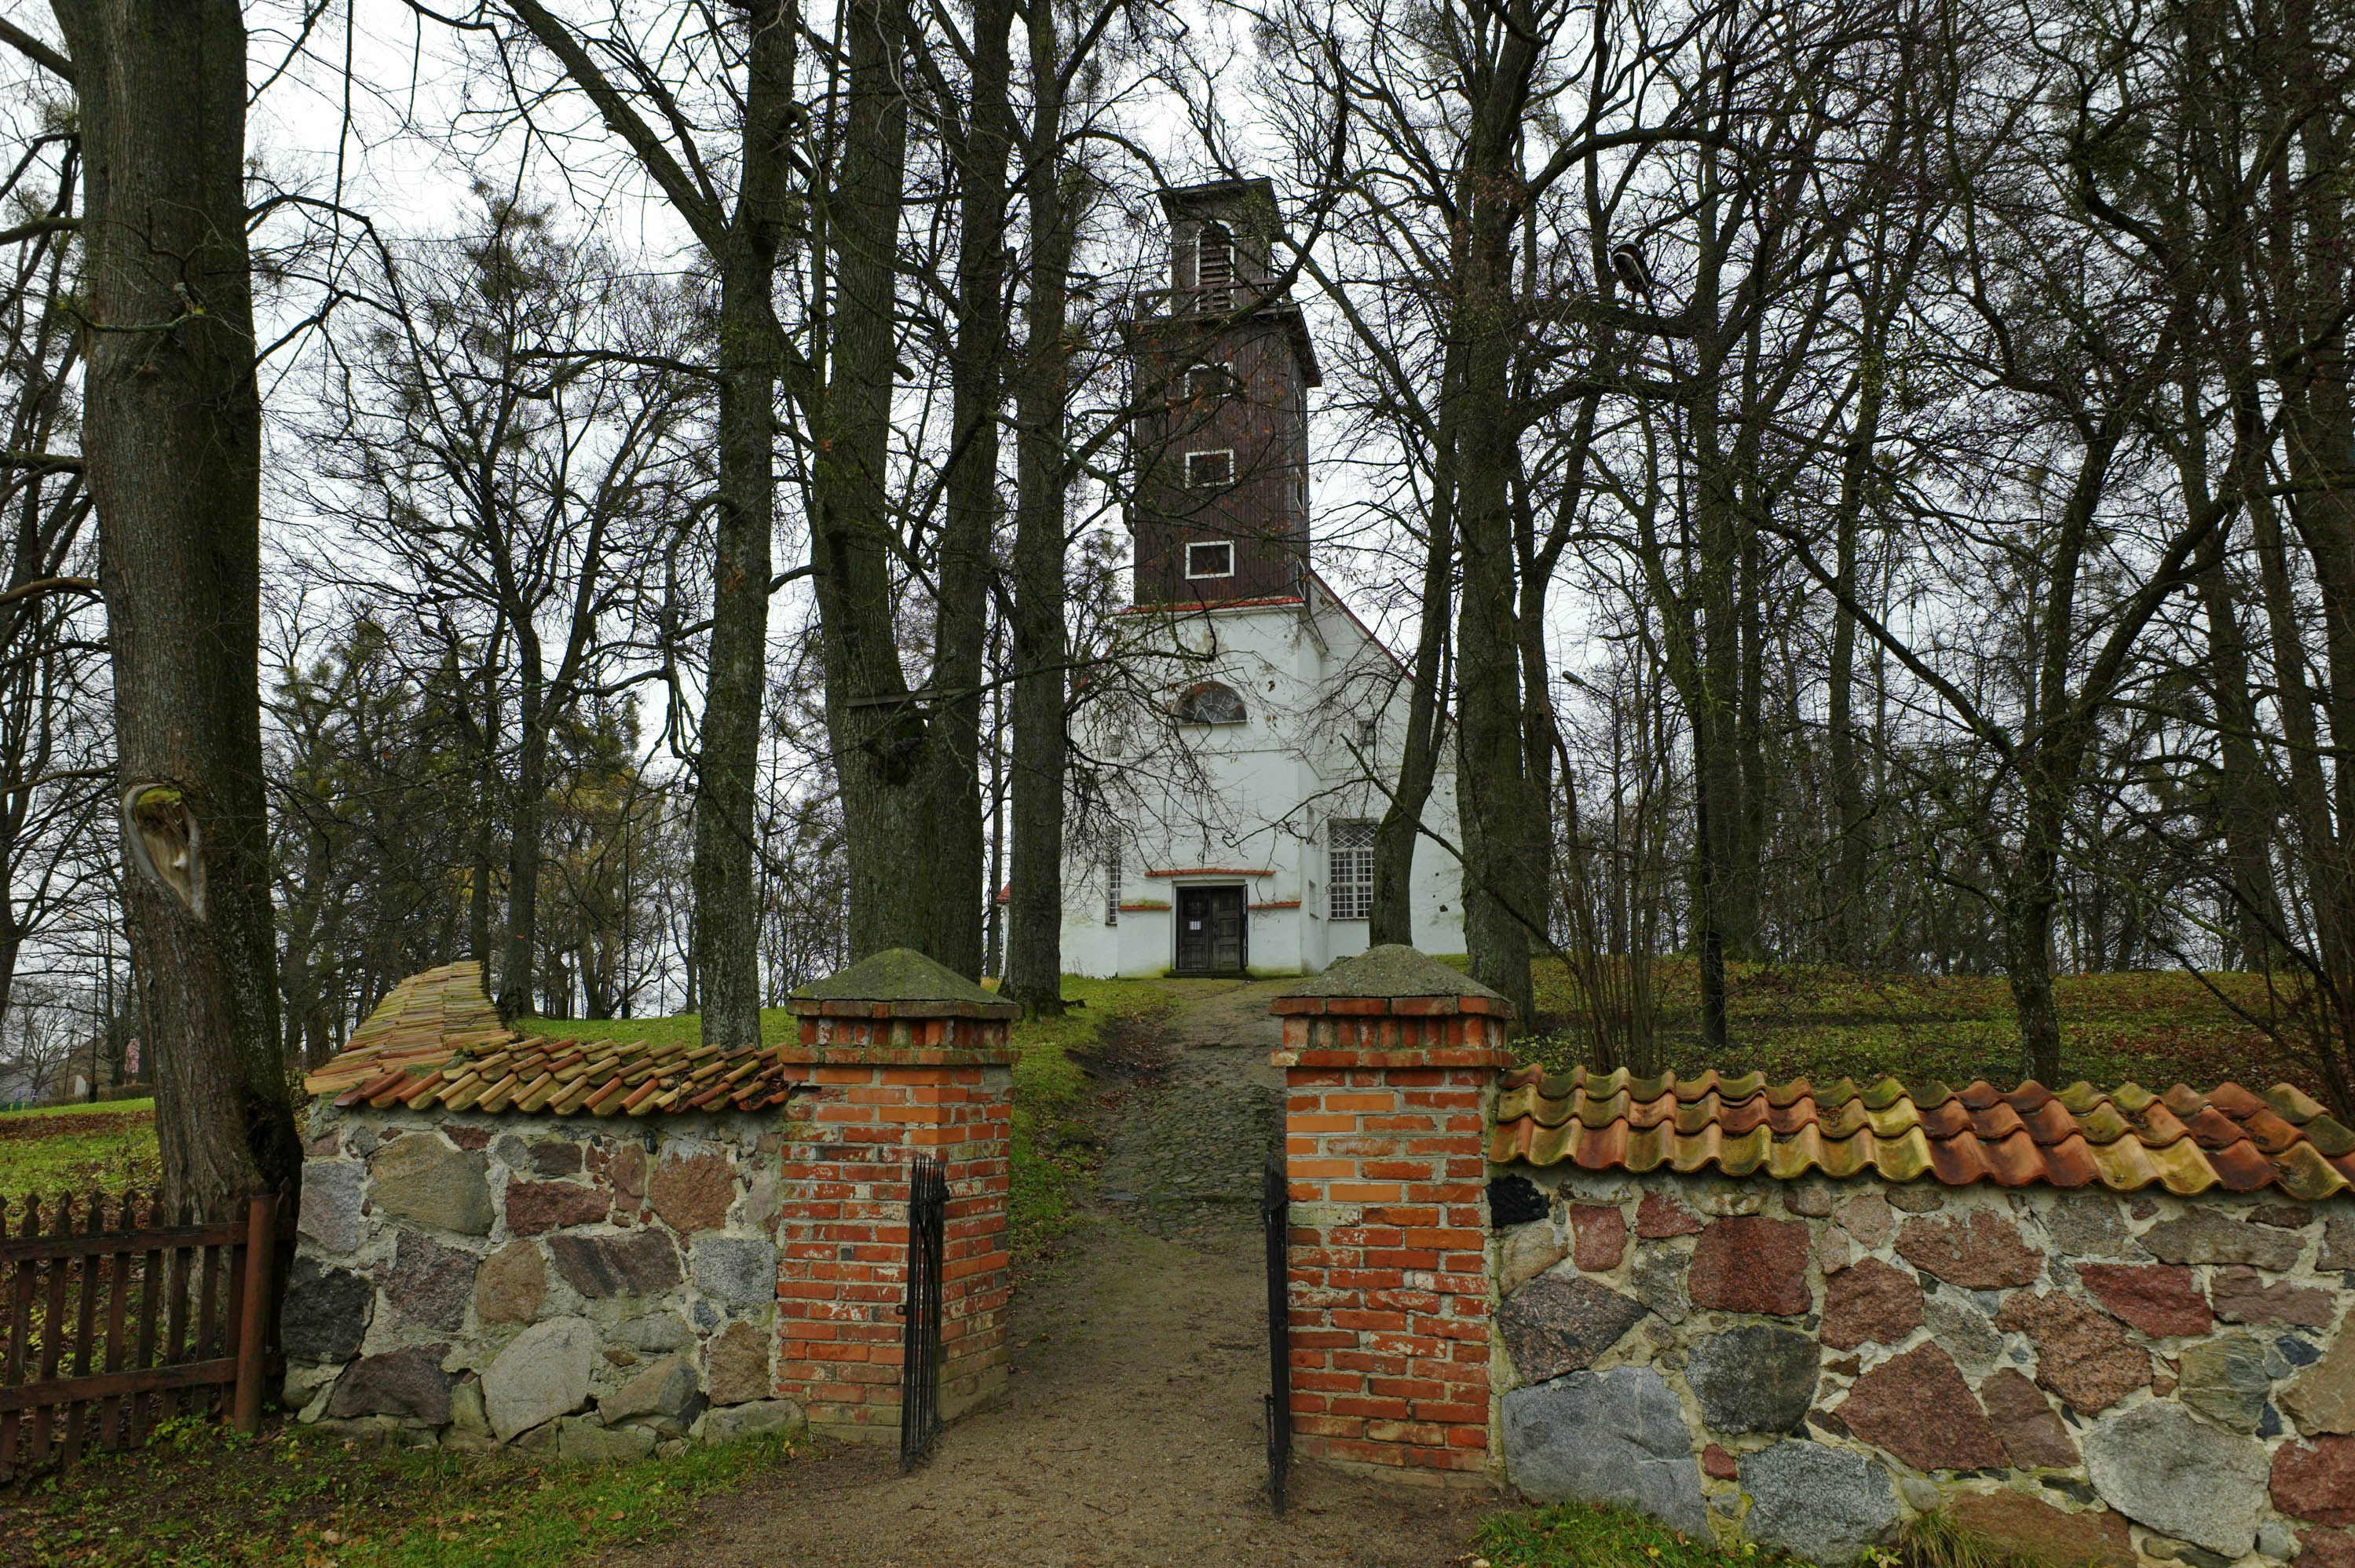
[325,1313]
[583,1442]
[723,1424]
[2225,1378]
[1964,1331]
[1757,1377]
[1615,1436]
[665,1389]
[1817,1502]
[2164,1471]
[738,1270]
[655,1332]
[421,1178]
[542,1375]
[331,1204]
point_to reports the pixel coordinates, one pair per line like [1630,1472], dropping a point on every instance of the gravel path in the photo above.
[1185,1138]
[1131,1432]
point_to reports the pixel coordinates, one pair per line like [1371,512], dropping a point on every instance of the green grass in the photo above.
[203,1496]
[74,1149]
[79,1108]
[1588,1535]
[1053,1148]
[1790,1022]
[776,1024]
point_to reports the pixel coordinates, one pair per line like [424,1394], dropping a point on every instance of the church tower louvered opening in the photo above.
[1221,367]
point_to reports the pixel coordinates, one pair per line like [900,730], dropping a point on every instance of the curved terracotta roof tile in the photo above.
[436,1041]
[2125,1138]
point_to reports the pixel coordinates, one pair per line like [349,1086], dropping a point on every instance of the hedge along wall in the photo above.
[2085,1375]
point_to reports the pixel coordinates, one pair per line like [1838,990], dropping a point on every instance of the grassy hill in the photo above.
[2157,1028]
[78,1149]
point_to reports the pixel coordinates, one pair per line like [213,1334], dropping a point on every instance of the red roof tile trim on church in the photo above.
[2125,1140]
[436,1041]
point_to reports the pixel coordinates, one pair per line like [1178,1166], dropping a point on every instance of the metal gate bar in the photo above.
[919,1364]
[1275,1219]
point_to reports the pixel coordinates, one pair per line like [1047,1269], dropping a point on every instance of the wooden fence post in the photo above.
[252,1329]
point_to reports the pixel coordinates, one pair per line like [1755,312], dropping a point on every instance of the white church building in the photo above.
[1242,742]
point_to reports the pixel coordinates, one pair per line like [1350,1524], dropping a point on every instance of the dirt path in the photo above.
[1131,1432]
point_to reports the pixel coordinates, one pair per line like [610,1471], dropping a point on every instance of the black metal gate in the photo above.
[1275,1219]
[920,1365]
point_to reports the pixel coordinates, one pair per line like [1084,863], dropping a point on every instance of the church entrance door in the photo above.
[1211,932]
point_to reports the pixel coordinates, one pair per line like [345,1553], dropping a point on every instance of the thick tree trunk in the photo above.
[1503,894]
[882,737]
[1034,913]
[962,621]
[171,440]
[728,766]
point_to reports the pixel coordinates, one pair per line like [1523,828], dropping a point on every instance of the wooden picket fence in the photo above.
[120,1317]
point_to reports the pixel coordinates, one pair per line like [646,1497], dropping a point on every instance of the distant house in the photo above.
[1247,755]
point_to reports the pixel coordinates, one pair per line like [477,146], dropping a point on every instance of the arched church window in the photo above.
[1211,703]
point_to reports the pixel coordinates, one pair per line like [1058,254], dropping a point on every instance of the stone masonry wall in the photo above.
[471,1280]
[2088,1376]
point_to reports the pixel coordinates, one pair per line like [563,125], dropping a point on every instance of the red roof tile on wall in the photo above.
[2123,1138]
[436,1041]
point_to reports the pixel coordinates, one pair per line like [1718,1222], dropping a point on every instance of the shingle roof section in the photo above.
[2125,1138]
[436,1041]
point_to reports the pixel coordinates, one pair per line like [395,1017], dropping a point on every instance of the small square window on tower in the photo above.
[1205,470]
[1210,559]
[1206,383]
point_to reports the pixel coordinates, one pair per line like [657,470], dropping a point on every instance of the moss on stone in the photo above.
[900,975]
[1392,969]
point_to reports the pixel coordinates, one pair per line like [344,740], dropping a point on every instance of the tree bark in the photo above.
[881,734]
[1391,916]
[1849,944]
[728,766]
[172,445]
[962,621]
[1503,897]
[1034,938]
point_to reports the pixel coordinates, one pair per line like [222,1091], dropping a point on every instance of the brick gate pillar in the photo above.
[1389,1061]
[901,1056]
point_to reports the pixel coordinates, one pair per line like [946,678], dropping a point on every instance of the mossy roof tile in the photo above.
[436,1041]
[2183,1140]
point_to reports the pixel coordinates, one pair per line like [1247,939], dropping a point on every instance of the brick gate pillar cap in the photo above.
[1438,1017]
[898,982]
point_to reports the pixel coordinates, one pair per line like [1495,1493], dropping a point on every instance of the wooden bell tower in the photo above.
[1220,368]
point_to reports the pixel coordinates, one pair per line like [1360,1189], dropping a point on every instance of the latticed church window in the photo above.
[1350,869]
[1111,881]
